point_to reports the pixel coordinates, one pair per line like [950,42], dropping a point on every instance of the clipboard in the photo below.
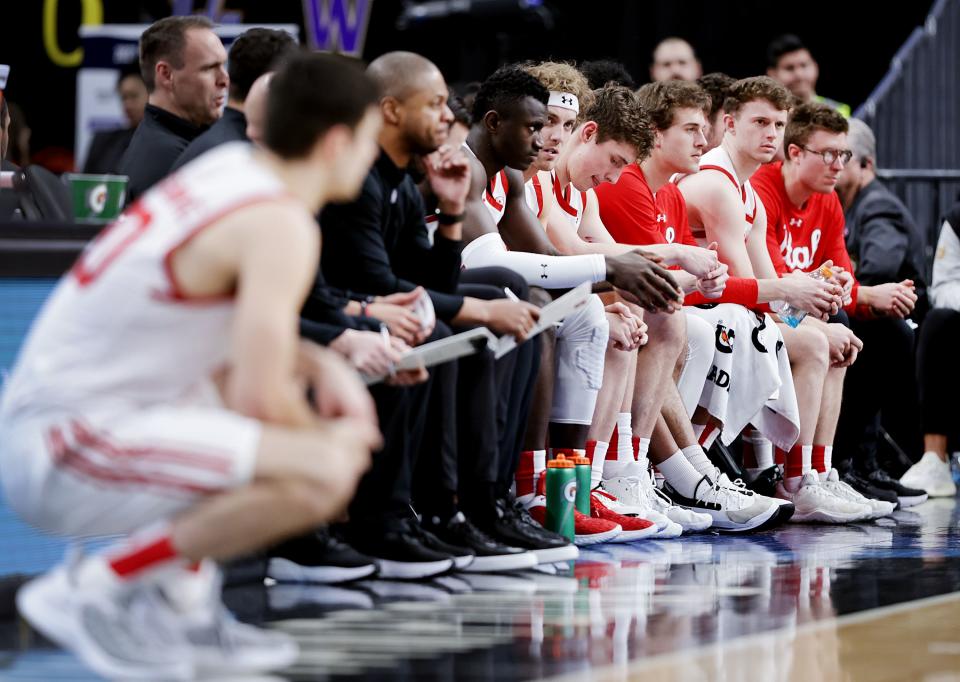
[551,315]
[443,350]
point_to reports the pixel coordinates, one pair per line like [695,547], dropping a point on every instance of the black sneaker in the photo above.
[462,555]
[765,483]
[490,555]
[868,489]
[909,497]
[510,524]
[399,548]
[319,557]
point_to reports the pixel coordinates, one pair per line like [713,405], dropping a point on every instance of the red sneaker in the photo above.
[632,527]
[587,530]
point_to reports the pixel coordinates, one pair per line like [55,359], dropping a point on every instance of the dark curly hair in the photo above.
[660,100]
[717,86]
[254,53]
[505,86]
[808,118]
[619,116]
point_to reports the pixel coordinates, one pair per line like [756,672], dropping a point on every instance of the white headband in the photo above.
[564,100]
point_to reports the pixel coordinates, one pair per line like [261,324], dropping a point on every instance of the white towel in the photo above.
[750,380]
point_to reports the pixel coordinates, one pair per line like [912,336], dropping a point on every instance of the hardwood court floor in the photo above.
[872,602]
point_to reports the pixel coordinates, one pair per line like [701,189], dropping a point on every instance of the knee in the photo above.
[667,329]
[812,348]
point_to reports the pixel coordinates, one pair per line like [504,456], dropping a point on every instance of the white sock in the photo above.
[828,457]
[598,466]
[624,438]
[642,465]
[680,474]
[698,458]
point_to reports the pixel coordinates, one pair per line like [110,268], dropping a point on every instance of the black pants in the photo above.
[478,405]
[880,391]
[938,372]
[385,491]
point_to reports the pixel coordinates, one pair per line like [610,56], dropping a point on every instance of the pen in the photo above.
[385,335]
[512,296]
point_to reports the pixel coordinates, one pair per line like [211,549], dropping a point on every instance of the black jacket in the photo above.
[884,241]
[232,127]
[159,139]
[379,245]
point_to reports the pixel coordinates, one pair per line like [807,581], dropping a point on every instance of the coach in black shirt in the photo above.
[182,62]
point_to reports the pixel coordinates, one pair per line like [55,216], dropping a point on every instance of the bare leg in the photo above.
[830,406]
[656,364]
[616,376]
[936,442]
[809,362]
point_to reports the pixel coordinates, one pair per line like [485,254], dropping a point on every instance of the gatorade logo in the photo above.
[570,491]
[724,339]
[97,199]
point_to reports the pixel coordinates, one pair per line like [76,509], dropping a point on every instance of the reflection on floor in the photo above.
[787,604]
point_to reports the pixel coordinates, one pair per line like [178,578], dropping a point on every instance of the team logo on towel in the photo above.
[757,331]
[724,338]
[544,274]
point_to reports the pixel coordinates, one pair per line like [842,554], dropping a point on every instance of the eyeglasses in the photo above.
[831,155]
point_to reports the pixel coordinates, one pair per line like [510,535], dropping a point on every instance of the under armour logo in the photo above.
[544,275]
[796,222]
[661,217]
[566,100]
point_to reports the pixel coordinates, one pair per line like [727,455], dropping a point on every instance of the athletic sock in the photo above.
[698,458]
[624,448]
[709,435]
[757,452]
[680,474]
[798,461]
[532,462]
[597,454]
[642,465]
[822,459]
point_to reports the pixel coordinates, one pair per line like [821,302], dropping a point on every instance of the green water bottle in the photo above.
[582,465]
[561,495]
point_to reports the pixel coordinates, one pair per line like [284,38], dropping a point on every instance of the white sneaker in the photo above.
[633,500]
[931,474]
[731,510]
[691,521]
[786,507]
[831,481]
[815,503]
[108,629]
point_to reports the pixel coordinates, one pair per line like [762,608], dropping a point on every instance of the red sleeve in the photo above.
[628,212]
[740,290]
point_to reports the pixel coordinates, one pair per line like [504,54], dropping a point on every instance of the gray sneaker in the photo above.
[107,629]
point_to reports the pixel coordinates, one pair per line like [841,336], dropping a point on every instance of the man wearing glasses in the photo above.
[805,230]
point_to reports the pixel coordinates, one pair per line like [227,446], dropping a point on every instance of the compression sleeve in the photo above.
[549,272]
